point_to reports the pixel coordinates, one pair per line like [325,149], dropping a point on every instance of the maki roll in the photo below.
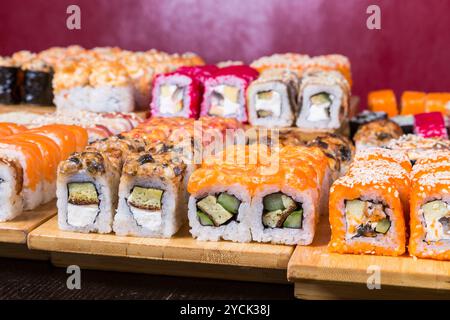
[430,212]
[286,206]
[225,92]
[219,205]
[179,93]
[365,117]
[338,149]
[430,125]
[383,100]
[152,196]
[366,216]
[37,83]
[10,81]
[324,100]
[413,102]
[437,102]
[377,134]
[272,99]
[368,205]
[87,187]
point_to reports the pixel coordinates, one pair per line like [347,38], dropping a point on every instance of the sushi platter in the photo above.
[158,163]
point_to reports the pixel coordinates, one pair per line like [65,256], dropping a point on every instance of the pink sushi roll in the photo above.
[225,92]
[179,93]
[430,125]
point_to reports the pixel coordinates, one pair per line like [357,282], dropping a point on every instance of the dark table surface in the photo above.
[24,279]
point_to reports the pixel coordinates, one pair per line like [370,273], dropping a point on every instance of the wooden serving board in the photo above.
[240,261]
[44,109]
[14,233]
[318,273]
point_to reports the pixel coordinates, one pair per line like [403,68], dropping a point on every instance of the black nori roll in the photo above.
[363,118]
[9,85]
[37,87]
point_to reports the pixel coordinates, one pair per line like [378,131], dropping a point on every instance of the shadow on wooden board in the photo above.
[170,268]
[329,290]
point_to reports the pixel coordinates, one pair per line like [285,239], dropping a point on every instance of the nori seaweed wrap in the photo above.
[9,81]
[37,83]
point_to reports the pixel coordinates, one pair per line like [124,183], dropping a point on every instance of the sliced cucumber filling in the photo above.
[146,198]
[281,211]
[229,202]
[383,226]
[294,220]
[204,219]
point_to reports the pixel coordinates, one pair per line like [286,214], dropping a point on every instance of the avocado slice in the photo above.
[218,214]
[146,198]
[383,226]
[294,220]
[321,98]
[273,219]
[82,193]
[205,220]
[229,202]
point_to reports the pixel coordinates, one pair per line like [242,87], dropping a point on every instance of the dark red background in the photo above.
[411,51]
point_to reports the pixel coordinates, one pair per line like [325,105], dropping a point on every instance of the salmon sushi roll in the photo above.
[21,165]
[285,208]
[219,205]
[383,100]
[413,102]
[366,216]
[430,215]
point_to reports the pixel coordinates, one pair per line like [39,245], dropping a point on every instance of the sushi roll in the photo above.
[152,199]
[383,100]
[413,102]
[286,206]
[430,125]
[417,147]
[324,100]
[37,83]
[10,81]
[272,99]
[430,213]
[377,134]
[87,185]
[179,93]
[338,149]
[437,102]
[219,205]
[71,85]
[365,117]
[11,186]
[366,216]
[226,91]
[112,90]
[141,74]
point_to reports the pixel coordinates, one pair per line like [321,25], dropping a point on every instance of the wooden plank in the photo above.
[46,109]
[316,263]
[21,251]
[170,268]
[17,230]
[182,247]
[328,290]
